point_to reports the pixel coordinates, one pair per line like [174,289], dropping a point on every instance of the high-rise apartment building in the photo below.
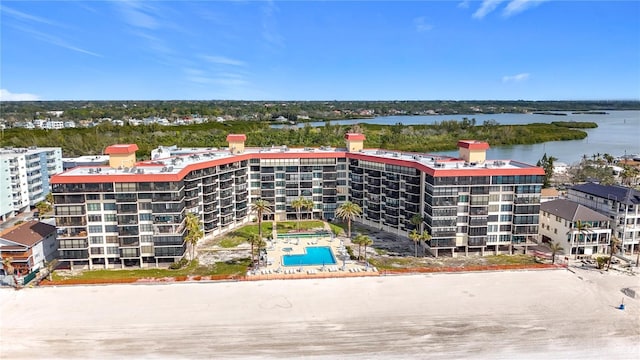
[134,212]
[25,177]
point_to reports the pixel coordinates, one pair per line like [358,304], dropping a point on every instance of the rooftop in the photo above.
[622,194]
[28,234]
[572,211]
[175,167]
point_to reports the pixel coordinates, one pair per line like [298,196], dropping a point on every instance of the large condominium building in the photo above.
[25,177]
[621,204]
[134,212]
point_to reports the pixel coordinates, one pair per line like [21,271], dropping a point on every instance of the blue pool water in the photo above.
[316,255]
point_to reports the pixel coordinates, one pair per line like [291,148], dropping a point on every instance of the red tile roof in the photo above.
[29,233]
[473,144]
[354,136]
[236,137]
[121,149]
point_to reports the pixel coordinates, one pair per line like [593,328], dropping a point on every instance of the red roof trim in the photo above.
[473,144]
[119,178]
[236,137]
[121,149]
[354,137]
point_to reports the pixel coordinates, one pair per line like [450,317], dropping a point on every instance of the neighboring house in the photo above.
[549,194]
[619,203]
[24,174]
[558,219]
[30,244]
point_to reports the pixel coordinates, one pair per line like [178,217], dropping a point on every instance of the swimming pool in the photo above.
[315,255]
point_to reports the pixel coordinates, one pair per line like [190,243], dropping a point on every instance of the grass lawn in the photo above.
[231,267]
[241,235]
[286,226]
[518,259]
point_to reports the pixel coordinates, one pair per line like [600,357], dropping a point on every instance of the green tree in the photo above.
[358,241]
[49,198]
[555,248]
[261,207]
[425,237]
[414,235]
[582,230]
[43,207]
[194,233]
[547,164]
[348,211]
[416,221]
[613,248]
[254,241]
[629,174]
[298,204]
[366,241]
[308,204]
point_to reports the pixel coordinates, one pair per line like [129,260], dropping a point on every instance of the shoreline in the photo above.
[509,314]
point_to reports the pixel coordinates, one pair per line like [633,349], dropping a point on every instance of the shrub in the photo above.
[350,251]
[179,264]
[601,261]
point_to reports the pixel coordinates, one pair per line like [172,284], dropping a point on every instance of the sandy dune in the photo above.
[550,314]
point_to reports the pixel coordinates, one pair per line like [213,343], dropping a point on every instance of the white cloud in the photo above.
[518,6]
[486,7]
[54,40]
[464,4]
[421,24]
[138,14]
[223,60]
[28,17]
[6,95]
[515,78]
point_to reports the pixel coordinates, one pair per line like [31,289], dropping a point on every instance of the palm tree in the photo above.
[614,247]
[298,204]
[358,240]
[555,248]
[308,204]
[261,207]
[254,240]
[366,241]
[425,237]
[194,233]
[415,237]
[348,211]
[416,220]
[581,228]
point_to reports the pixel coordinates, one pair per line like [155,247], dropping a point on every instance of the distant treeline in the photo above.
[417,138]
[292,110]
[576,124]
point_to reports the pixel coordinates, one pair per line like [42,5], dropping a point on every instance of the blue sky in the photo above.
[313,50]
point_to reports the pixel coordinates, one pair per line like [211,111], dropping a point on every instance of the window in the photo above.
[109,217]
[95,228]
[93,207]
[96,239]
[95,218]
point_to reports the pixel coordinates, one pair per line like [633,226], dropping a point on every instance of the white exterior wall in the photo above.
[559,230]
[28,173]
[625,218]
[6,194]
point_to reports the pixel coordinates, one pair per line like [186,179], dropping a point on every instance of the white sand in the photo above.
[551,314]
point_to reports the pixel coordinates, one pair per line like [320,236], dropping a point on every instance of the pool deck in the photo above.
[274,269]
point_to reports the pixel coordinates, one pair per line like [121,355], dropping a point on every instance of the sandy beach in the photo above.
[543,314]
